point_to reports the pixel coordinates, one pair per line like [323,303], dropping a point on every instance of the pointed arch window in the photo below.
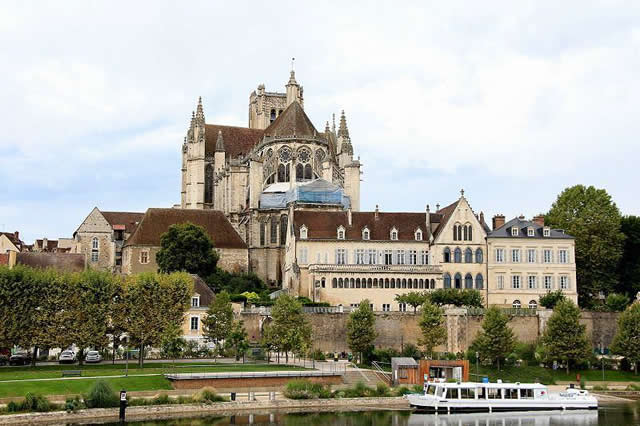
[470,232]
[455,232]
[479,255]
[284,221]
[304,232]
[468,281]
[274,230]
[272,117]
[447,255]
[299,172]
[263,232]
[308,172]
[208,184]
[479,282]
[457,255]
[281,173]
[464,234]
[447,280]
[457,280]
[468,256]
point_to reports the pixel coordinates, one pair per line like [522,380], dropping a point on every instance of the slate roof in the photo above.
[157,221]
[205,292]
[129,219]
[237,140]
[292,121]
[324,225]
[505,230]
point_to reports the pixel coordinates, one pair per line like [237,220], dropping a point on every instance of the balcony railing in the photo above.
[414,269]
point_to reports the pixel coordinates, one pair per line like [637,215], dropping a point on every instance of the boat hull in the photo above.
[430,405]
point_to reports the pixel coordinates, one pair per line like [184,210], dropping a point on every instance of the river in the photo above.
[623,414]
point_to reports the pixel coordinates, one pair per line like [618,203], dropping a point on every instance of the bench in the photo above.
[71,373]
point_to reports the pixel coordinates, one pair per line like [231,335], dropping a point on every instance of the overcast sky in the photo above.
[512,101]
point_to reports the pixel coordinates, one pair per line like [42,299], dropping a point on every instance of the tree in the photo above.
[218,323]
[626,342]
[172,342]
[238,339]
[289,330]
[551,299]
[186,247]
[431,323]
[629,267]
[457,297]
[153,303]
[589,215]
[361,330]
[564,338]
[617,302]
[413,299]
[496,339]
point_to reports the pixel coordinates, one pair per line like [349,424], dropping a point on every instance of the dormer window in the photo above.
[530,232]
[195,301]
[418,235]
[514,231]
[394,234]
[341,233]
[366,234]
[304,232]
[546,232]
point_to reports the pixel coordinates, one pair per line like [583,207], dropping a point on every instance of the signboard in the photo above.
[123,395]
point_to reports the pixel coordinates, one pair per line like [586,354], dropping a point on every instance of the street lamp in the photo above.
[477,364]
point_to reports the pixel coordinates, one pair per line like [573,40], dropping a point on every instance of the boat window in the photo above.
[453,393]
[511,394]
[493,393]
[444,391]
[467,393]
[482,393]
[431,390]
[526,393]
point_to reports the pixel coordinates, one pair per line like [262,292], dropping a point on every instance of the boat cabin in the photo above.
[488,391]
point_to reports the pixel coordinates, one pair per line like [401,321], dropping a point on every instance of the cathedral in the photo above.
[254,173]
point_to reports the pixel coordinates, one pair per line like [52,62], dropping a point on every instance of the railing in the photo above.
[519,312]
[266,310]
[256,374]
[384,375]
[420,269]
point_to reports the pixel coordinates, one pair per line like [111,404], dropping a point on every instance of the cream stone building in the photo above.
[251,173]
[201,298]
[526,260]
[10,241]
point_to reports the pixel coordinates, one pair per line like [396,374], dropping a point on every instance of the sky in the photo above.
[510,101]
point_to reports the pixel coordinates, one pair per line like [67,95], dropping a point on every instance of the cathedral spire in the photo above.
[200,113]
[327,129]
[193,120]
[343,130]
[220,142]
[333,128]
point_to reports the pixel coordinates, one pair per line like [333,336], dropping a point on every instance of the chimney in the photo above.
[17,234]
[437,207]
[428,223]
[349,216]
[375,215]
[481,217]
[498,221]
[45,243]
[538,220]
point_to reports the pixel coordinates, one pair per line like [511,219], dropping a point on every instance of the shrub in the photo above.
[583,384]
[14,407]
[382,389]
[551,299]
[411,351]
[73,404]
[182,399]
[417,388]
[384,355]
[318,355]
[208,395]
[101,395]
[526,351]
[617,302]
[600,388]
[137,402]
[304,389]
[162,399]
[358,391]
[401,391]
[37,402]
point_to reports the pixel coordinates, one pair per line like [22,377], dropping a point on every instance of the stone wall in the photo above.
[396,329]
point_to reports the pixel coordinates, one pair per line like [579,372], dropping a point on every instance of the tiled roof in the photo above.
[292,121]
[61,261]
[14,240]
[200,287]
[237,140]
[324,225]
[445,213]
[505,230]
[129,219]
[157,221]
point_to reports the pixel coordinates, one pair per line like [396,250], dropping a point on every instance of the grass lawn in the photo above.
[78,386]
[54,371]
[548,376]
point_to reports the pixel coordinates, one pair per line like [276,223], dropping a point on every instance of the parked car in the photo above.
[21,358]
[93,356]
[3,359]
[67,357]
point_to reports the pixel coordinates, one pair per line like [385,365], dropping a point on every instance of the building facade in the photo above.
[528,259]
[10,241]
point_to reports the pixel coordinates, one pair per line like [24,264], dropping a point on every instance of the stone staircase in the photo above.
[369,377]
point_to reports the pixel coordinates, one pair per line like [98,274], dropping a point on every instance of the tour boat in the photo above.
[491,397]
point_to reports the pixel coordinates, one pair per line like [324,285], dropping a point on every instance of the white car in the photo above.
[67,357]
[93,356]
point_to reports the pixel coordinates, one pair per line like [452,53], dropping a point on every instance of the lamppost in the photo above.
[478,366]
[602,358]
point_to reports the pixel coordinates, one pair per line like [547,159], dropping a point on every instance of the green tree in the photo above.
[564,338]
[496,339]
[626,342]
[413,299]
[617,302]
[153,303]
[172,342]
[589,215]
[218,323]
[361,330]
[289,329]
[432,325]
[238,339]
[551,299]
[187,247]
[458,297]
[629,267]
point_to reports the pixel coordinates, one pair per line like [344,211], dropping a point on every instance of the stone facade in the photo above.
[10,242]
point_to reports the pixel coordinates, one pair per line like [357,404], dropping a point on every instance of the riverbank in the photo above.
[160,412]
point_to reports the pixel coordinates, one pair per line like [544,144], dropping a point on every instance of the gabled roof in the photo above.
[324,224]
[292,121]
[445,213]
[11,236]
[505,230]
[157,221]
[130,220]
[237,140]
[205,292]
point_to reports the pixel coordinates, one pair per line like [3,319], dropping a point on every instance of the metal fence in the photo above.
[520,312]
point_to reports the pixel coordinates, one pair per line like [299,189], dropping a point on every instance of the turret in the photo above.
[294,90]
[219,156]
[344,147]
